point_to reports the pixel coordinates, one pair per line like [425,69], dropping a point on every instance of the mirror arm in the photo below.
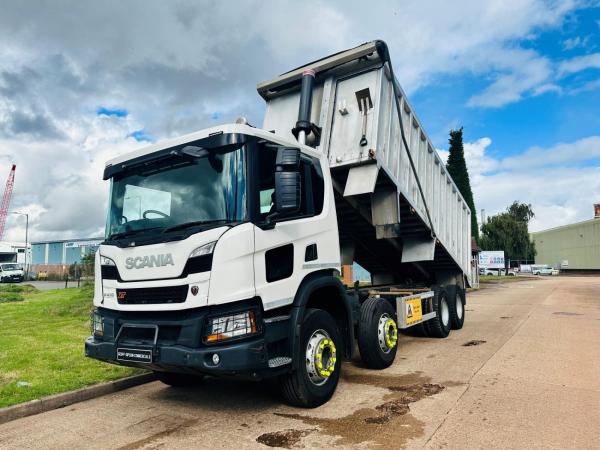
[268,223]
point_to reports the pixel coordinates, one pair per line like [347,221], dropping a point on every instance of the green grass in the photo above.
[494,278]
[15,292]
[41,343]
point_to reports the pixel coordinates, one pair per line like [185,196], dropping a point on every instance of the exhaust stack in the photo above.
[303,125]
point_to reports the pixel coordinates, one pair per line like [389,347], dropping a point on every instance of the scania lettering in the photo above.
[224,247]
[149,261]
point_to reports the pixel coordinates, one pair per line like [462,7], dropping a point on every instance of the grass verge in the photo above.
[41,344]
[15,292]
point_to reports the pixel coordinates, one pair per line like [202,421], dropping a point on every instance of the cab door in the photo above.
[286,243]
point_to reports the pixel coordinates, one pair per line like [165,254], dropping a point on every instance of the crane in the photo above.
[6,199]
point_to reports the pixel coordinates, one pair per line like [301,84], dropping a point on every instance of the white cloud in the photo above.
[551,179]
[575,42]
[523,71]
[174,66]
[579,63]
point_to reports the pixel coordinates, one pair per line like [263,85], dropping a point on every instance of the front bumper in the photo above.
[11,279]
[242,358]
[177,345]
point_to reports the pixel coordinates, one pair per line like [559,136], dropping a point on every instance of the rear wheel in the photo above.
[318,363]
[457,309]
[178,379]
[439,326]
[377,333]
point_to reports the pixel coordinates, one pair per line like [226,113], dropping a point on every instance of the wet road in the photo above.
[522,373]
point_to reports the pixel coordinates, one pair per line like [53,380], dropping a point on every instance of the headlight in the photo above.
[97,324]
[205,249]
[232,326]
[104,261]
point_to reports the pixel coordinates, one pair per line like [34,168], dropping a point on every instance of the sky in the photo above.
[82,82]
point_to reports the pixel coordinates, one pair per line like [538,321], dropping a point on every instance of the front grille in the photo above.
[152,296]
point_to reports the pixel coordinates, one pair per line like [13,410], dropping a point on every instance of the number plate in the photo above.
[134,355]
[413,311]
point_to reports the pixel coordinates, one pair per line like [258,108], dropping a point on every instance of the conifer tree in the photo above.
[457,168]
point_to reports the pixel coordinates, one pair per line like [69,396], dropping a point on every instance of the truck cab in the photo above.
[209,239]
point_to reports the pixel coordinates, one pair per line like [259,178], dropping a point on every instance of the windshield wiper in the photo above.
[181,226]
[130,232]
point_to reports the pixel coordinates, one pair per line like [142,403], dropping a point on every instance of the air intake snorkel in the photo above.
[304,125]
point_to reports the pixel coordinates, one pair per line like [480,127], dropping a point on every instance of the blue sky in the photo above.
[555,116]
[521,76]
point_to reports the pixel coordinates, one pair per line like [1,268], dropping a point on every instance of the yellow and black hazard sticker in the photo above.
[413,311]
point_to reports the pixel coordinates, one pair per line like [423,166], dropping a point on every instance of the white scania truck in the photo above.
[223,247]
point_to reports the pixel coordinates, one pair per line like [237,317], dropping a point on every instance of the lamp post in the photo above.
[26,235]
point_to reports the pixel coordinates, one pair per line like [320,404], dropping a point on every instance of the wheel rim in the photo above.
[320,358]
[445,313]
[387,333]
[459,307]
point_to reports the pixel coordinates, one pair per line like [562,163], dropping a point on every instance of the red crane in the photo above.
[6,199]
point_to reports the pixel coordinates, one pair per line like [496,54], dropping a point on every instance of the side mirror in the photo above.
[287,181]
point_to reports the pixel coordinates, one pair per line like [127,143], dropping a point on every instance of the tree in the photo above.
[509,231]
[521,211]
[457,168]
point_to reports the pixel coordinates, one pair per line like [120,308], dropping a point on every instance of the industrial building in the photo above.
[56,256]
[574,247]
[14,252]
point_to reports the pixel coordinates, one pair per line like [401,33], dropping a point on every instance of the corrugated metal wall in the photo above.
[579,244]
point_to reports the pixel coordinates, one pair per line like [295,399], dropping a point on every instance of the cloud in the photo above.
[565,154]
[522,72]
[82,82]
[575,42]
[551,179]
[579,64]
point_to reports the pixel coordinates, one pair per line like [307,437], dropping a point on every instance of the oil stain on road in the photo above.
[389,423]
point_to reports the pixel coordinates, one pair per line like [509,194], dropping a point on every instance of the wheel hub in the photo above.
[445,312]
[321,356]
[459,307]
[387,333]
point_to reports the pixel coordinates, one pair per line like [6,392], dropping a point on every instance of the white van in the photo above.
[11,273]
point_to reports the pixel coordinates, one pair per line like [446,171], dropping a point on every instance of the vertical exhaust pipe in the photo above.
[303,125]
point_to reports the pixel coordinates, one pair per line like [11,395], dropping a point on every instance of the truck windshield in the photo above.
[11,267]
[192,191]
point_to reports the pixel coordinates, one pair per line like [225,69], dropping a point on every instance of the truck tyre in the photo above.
[317,361]
[178,379]
[439,326]
[457,309]
[377,333]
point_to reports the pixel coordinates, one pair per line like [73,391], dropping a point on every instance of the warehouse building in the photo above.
[55,257]
[574,247]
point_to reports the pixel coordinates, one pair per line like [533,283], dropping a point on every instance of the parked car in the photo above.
[496,272]
[11,272]
[545,270]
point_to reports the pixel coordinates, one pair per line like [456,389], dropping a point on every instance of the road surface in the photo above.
[523,373]
[49,285]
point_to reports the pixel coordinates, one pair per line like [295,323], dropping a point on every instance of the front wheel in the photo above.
[377,333]
[318,364]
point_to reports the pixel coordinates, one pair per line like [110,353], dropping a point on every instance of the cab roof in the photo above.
[207,132]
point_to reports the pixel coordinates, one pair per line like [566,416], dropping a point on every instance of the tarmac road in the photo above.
[529,378]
